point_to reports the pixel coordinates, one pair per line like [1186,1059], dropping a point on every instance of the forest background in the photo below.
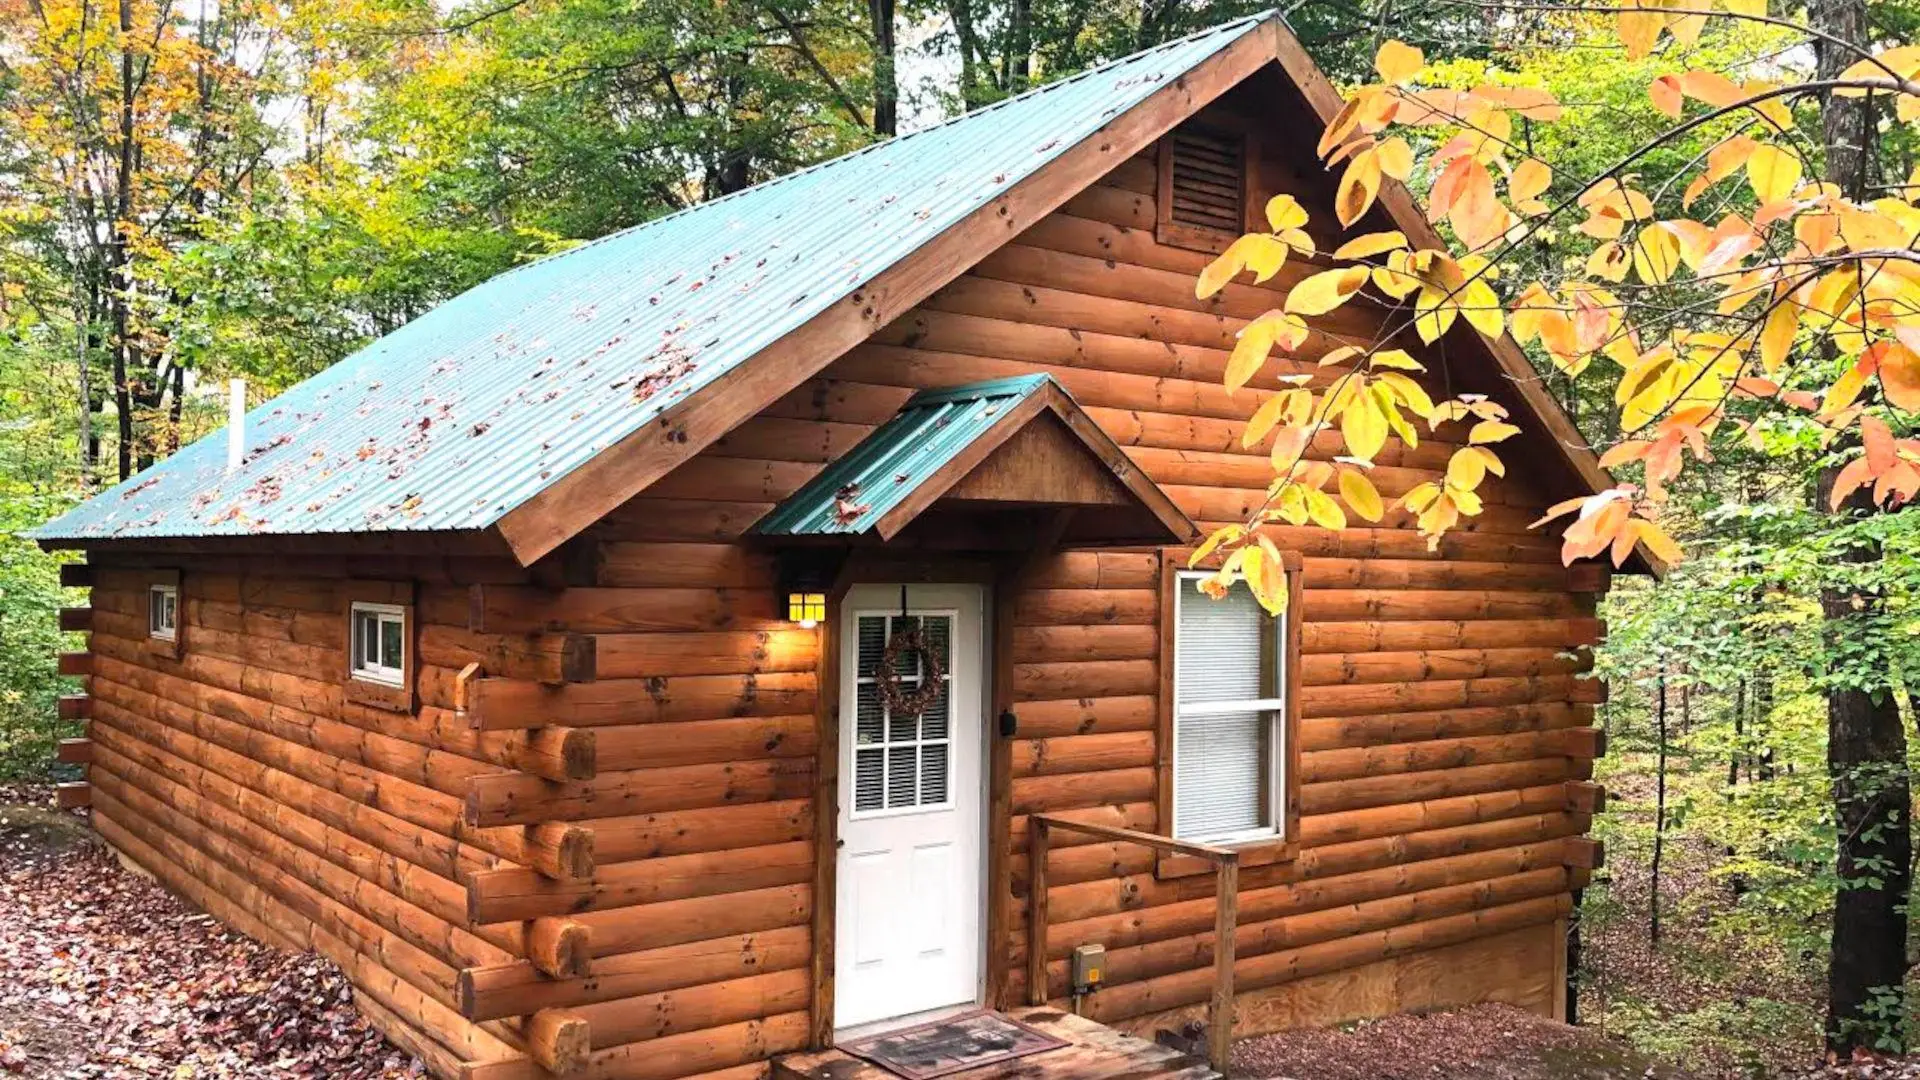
[198,190]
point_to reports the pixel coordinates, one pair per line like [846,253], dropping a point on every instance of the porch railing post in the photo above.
[1226,921]
[1037,830]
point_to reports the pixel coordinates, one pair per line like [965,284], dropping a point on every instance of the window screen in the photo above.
[900,763]
[379,643]
[1226,715]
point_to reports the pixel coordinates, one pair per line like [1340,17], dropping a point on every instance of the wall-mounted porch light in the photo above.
[806,608]
[805,578]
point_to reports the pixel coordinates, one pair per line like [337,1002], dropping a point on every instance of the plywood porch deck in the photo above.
[1097,1052]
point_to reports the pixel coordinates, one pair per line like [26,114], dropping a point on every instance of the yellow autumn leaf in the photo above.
[1773,173]
[1324,511]
[1398,62]
[1285,212]
[1657,541]
[1481,305]
[1529,180]
[1903,61]
[1490,431]
[1639,28]
[1656,255]
[1776,337]
[1360,494]
[1410,394]
[1364,427]
[1398,359]
[1264,418]
[1359,185]
[1396,157]
[1900,376]
[1249,353]
[1371,244]
[1465,469]
[1326,290]
[1223,535]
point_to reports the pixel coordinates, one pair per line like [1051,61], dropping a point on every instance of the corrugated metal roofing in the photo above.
[851,495]
[463,414]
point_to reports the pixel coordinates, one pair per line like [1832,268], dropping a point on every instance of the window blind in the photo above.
[1224,715]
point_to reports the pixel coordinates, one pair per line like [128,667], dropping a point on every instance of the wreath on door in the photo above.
[900,700]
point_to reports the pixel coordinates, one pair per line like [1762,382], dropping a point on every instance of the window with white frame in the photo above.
[163,611]
[380,643]
[900,763]
[1229,722]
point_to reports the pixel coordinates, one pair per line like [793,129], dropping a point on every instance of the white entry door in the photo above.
[909,896]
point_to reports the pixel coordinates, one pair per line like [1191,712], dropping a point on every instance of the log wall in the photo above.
[592,847]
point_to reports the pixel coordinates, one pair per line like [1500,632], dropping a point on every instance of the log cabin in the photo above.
[770,626]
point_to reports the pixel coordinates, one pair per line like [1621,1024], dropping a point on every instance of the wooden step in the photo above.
[1096,1052]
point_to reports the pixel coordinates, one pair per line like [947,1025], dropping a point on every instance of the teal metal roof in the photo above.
[462,415]
[851,495]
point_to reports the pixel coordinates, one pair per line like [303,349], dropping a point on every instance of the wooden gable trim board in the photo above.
[623,470]
[1052,401]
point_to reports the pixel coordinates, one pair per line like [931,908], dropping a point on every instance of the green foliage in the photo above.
[30,637]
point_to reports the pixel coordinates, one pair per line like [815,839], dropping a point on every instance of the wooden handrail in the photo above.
[1226,869]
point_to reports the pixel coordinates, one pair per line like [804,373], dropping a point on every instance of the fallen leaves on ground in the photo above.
[106,975]
[1485,1042]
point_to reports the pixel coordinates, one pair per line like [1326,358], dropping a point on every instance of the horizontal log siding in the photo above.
[1434,780]
[1434,789]
[240,775]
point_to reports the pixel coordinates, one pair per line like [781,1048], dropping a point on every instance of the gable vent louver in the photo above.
[1208,185]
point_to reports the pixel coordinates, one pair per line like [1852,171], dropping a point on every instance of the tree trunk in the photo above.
[1659,809]
[1737,882]
[1866,741]
[120,279]
[1866,761]
[961,11]
[886,85]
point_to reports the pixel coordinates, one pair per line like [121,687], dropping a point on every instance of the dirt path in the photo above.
[103,974]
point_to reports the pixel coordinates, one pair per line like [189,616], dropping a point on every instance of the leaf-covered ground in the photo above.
[104,974]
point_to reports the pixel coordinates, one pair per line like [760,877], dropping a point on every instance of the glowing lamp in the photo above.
[808,609]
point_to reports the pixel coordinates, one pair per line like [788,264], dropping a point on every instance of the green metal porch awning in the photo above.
[1008,443]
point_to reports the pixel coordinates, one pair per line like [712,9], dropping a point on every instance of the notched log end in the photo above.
[73,796]
[1586,797]
[579,754]
[75,575]
[560,948]
[575,852]
[579,660]
[1586,853]
[559,1040]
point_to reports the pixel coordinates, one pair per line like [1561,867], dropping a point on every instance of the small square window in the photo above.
[163,612]
[380,643]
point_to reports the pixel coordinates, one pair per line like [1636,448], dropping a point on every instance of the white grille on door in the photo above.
[900,762]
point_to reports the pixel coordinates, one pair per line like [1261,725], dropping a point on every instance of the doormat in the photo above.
[953,1045]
